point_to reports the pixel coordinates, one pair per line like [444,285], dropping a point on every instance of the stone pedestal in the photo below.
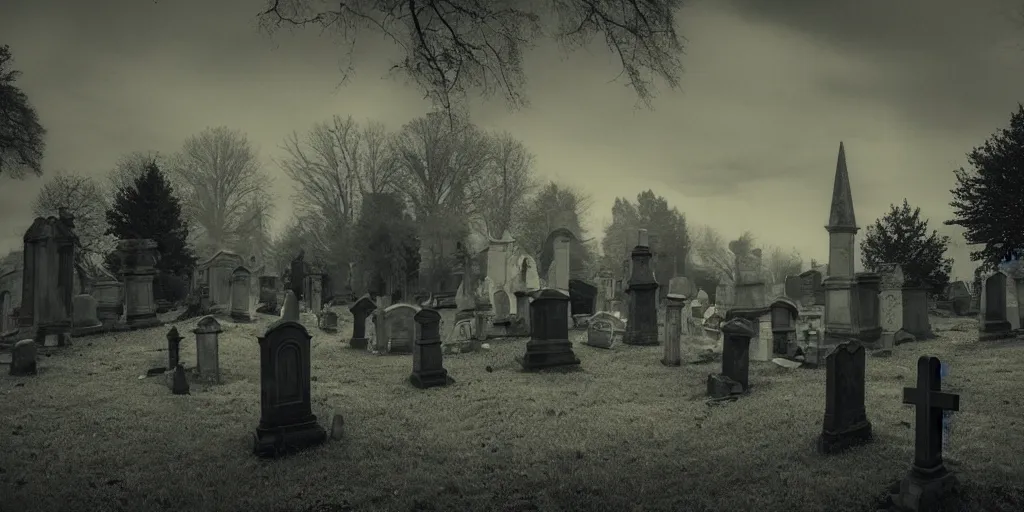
[673,330]
[138,257]
[642,324]
[427,359]
[549,345]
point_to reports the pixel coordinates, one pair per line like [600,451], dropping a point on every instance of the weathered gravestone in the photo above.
[735,376]
[399,329]
[84,319]
[675,303]
[48,280]
[241,287]
[179,381]
[23,358]
[290,309]
[993,323]
[1012,302]
[793,288]
[846,422]
[642,324]
[138,260]
[361,310]
[604,330]
[287,423]
[207,333]
[329,321]
[427,360]
[929,483]
[784,316]
[891,302]
[813,292]
[549,344]
[173,347]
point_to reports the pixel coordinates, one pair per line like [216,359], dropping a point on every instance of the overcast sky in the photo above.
[769,90]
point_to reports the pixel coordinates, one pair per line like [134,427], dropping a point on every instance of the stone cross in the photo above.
[427,368]
[928,484]
[930,403]
[173,347]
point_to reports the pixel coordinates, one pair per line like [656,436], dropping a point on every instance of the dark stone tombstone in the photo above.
[329,321]
[929,483]
[734,379]
[23,358]
[794,287]
[784,314]
[287,423]
[427,368]
[173,347]
[179,382]
[846,422]
[642,327]
[361,310]
[549,344]
[812,293]
[994,324]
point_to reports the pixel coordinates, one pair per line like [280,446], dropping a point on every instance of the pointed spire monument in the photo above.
[846,314]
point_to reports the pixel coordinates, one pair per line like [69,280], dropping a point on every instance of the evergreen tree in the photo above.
[390,250]
[149,209]
[987,199]
[901,237]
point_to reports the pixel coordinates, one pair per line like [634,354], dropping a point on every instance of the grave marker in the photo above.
[734,379]
[173,347]
[287,423]
[207,332]
[427,360]
[929,483]
[846,423]
[549,344]
[360,312]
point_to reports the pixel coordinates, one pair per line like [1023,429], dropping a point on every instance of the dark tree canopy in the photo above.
[149,209]
[452,47]
[901,236]
[390,252]
[988,201]
[21,135]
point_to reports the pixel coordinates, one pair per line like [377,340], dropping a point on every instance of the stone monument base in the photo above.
[52,335]
[640,338]
[277,442]
[835,442]
[925,490]
[142,321]
[358,343]
[86,330]
[995,331]
[430,379]
[548,354]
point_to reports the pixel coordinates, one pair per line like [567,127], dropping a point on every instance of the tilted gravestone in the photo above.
[360,312]
[207,333]
[604,330]
[929,483]
[549,344]
[735,376]
[287,423]
[427,359]
[642,326]
[846,422]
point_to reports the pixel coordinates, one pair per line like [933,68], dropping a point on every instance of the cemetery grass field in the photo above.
[624,434]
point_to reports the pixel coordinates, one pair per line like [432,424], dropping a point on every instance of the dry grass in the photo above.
[624,434]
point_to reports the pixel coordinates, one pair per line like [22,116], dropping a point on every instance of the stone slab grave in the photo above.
[993,324]
[361,310]
[734,378]
[549,345]
[427,359]
[84,317]
[604,330]
[642,323]
[846,423]
[287,423]
[928,484]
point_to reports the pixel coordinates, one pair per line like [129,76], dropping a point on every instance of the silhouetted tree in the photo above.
[901,236]
[21,135]
[149,209]
[987,199]
[453,47]
[390,250]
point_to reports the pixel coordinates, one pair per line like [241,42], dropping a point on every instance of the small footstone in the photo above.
[179,382]
[337,427]
[23,358]
[720,386]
